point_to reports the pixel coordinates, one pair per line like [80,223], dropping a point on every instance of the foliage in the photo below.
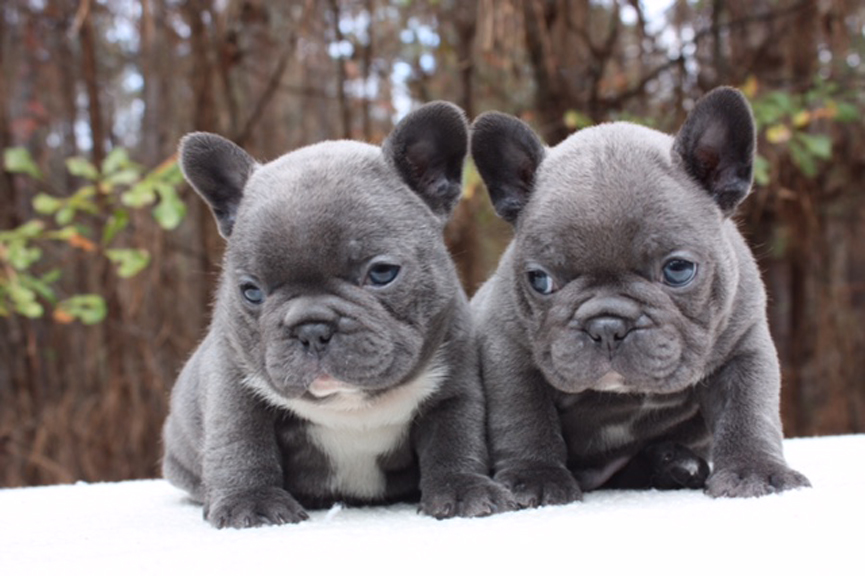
[89,220]
[792,123]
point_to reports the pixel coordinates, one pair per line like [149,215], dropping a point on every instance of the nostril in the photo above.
[608,330]
[314,335]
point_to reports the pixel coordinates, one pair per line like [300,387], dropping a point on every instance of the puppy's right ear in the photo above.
[218,170]
[507,153]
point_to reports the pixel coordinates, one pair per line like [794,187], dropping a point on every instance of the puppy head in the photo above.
[622,269]
[336,279]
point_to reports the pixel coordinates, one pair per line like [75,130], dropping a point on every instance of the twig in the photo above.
[267,95]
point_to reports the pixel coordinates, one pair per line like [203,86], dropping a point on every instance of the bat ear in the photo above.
[428,148]
[716,145]
[507,154]
[218,170]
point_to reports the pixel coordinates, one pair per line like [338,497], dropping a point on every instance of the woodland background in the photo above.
[108,262]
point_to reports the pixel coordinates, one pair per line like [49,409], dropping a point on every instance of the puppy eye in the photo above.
[541,282]
[678,272]
[252,293]
[382,274]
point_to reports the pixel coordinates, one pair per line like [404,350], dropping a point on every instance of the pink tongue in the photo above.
[325,386]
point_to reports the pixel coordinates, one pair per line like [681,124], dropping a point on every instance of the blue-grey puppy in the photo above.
[339,364]
[623,338]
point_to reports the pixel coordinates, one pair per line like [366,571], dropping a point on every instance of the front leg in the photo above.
[449,438]
[529,453]
[740,403]
[242,473]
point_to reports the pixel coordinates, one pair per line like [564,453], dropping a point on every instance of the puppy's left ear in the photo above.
[428,148]
[218,170]
[716,144]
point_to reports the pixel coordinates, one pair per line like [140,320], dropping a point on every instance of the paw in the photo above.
[751,481]
[541,486]
[466,495]
[675,466]
[253,508]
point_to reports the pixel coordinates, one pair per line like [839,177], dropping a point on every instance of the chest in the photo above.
[356,433]
[598,425]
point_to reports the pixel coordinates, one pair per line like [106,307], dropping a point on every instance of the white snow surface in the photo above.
[149,527]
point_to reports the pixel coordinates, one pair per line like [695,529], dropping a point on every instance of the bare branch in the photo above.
[267,95]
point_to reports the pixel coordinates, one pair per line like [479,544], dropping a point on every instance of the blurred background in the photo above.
[108,261]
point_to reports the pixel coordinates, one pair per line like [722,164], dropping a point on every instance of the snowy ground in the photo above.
[147,527]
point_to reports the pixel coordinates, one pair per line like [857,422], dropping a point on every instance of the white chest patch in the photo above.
[611,437]
[354,431]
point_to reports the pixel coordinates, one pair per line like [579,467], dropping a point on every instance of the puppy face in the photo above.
[336,268]
[621,270]
[337,283]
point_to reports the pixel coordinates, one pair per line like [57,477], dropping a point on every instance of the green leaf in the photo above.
[39,286]
[142,194]
[19,161]
[117,222]
[781,100]
[47,204]
[26,231]
[21,256]
[847,112]
[170,211]
[129,260]
[30,309]
[64,233]
[52,276]
[172,175]
[803,159]
[123,177]
[83,194]
[761,170]
[89,308]
[819,145]
[116,160]
[30,229]
[65,215]
[82,168]
[24,300]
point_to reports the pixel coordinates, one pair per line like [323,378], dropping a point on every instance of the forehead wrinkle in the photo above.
[592,197]
[312,239]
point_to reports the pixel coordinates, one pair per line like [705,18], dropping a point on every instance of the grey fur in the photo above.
[614,362]
[277,407]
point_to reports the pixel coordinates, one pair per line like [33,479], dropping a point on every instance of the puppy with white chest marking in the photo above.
[339,365]
[623,338]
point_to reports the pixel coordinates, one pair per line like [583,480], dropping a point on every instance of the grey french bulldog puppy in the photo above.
[339,365]
[624,339]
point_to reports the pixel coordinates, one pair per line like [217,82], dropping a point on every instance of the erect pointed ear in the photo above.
[716,144]
[507,153]
[218,170]
[428,148]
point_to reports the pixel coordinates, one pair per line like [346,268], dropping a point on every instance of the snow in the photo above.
[148,527]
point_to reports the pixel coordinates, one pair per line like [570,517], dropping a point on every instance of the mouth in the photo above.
[612,381]
[326,385]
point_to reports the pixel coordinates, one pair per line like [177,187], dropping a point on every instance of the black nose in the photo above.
[314,336]
[608,331]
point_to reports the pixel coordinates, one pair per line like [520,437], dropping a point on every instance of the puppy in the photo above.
[623,338]
[339,365]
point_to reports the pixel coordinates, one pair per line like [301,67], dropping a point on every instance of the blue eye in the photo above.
[678,272]
[541,282]
[252,293]
[382,274]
